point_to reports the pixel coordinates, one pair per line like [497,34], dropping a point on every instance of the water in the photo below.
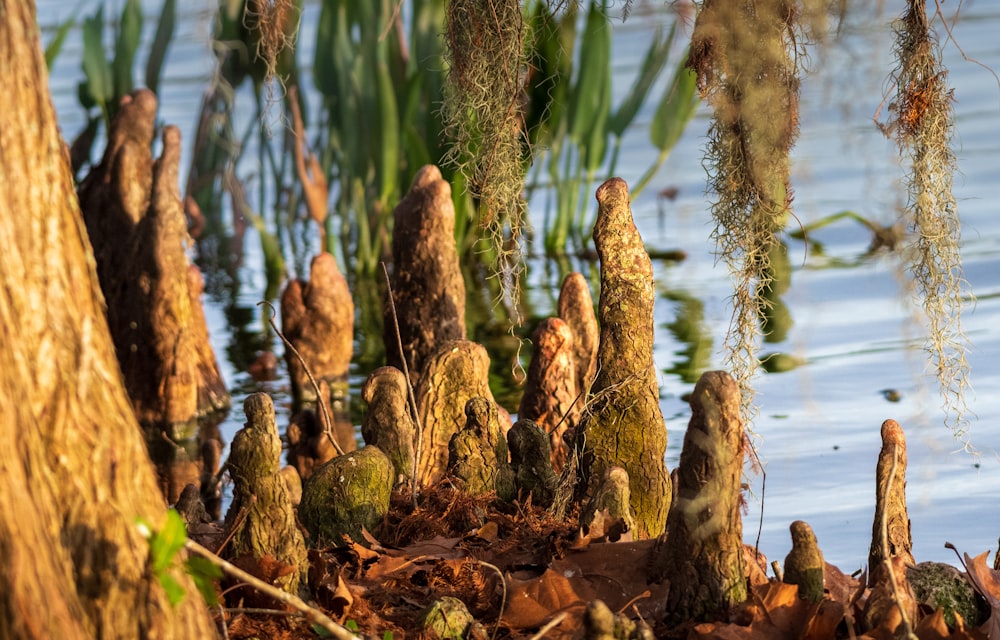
[852,323]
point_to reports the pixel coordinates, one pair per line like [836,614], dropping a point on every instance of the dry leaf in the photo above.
[987,582]
[531,602]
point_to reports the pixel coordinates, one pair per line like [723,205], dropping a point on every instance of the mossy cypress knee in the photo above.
[804,565]
[347,494]
[260,519]
[478,456]
[531,458]
[624,425]
[388,424]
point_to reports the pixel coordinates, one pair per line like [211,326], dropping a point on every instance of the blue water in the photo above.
[854,324]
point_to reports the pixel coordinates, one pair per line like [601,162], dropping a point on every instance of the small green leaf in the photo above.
[175,592]
[166,542]
[204,574]
[158,50]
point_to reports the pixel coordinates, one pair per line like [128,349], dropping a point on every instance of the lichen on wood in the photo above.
[427,286]
[345,495]
[551,393]
[317,318]
[261,521]
[623,424]
[388,424]
[478,457]
[457,372]
[702,556]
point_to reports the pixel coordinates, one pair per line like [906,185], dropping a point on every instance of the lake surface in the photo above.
[852,323]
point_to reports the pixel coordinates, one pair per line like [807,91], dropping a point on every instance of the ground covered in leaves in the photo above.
[520,573]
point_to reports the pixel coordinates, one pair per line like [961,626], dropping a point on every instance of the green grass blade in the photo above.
[55,46]
[387,144]
[97,88]
[129,32]
[676,108]
[652,64]
[161,42]
[589,101]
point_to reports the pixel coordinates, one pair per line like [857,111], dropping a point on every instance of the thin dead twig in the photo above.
[410,396]
[314,616]
[324,410]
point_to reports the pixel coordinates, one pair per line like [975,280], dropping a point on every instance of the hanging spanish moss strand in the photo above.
[744,54]
[483,120]
[923,124]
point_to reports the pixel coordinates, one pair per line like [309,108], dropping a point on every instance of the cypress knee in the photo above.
[551,391]
[804,565]
[702,556]
[388,424]
[346,495]
[317,318]
[576,308]
[135,219]
[624,426]
[890,504]
[427,285]
[531,458]
[478,456]
[260,520]
[457,372]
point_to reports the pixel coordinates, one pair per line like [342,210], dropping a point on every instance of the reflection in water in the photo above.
[777,320]
[688,327]
[192,461]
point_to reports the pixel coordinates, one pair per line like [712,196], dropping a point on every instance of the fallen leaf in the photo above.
[530,603]
[986,581]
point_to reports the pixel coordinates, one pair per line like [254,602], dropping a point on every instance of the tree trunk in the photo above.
[74,473]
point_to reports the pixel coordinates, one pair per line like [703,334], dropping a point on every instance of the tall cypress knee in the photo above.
[703,554]
[624,426]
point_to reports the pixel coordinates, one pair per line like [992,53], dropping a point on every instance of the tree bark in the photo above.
[74,473]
